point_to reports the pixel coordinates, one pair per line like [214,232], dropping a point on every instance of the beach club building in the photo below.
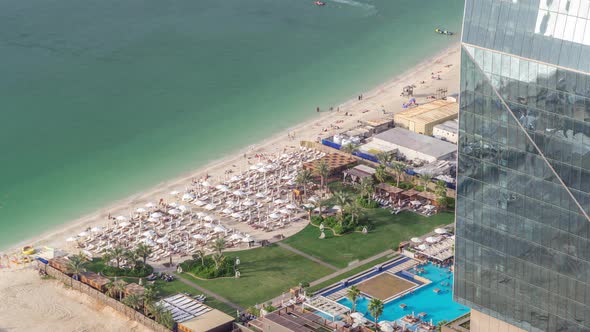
[447,131]
[413,146]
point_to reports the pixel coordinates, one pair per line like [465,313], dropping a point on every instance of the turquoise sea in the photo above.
[100,99]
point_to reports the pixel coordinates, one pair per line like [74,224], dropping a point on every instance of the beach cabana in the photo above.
[359,172]
[410,194]
[391,192]
[59,263]
[94,280]
[134,288]
[431,197]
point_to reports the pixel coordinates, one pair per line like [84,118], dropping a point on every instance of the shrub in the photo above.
[404,185]
[367,203]
[419,188]
[208,270]
[141,270]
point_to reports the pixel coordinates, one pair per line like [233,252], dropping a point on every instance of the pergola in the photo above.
[429,197]
[358,173]
[388,190]
[94,280]
[411,193]
[336,163]
[134,288]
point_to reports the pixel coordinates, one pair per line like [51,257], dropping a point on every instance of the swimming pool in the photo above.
[437,306]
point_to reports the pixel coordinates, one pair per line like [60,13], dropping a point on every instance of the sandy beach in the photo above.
[27,298]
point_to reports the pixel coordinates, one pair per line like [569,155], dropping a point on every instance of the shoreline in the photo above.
[279,141]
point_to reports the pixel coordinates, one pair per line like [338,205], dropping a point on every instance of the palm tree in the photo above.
[303,285]
[219,245]
[385,158]
[143,250]
[366,186]
[441,189]
[399,169]
[133,257]
[115,288]
[323,171]
[117,253]
[353,294]
[349,148]
[166,319]
[199,254]
[376,309]
[342,199]
[303,178]
[150,294]
[157,311]
[133,301]
[354,209]
[76,265]
[381,174]
[424,179]
[218,259]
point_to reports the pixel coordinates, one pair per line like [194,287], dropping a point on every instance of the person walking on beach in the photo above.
[317,109]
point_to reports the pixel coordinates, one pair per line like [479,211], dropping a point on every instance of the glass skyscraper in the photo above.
[523,186]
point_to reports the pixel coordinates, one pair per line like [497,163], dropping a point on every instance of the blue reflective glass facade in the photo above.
[523,184]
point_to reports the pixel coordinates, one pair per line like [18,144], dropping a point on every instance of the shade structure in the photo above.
[249,203]
[174,192]
[209,218]
[174,212]
[313,199]
[209,207]
[140,210]
[156,215]
[188,197]
[440,231]
[96,229]
[149,242]
[385,326]
[416,240]
[199,237]
[206,184]
[221,187]
[285,211]
[183,208]
[247,239]
[219,229]
[121,218]
[152,219]
[260,195]
[162,240]
[422,247]
[431,239]
[337,207]
[149,233]
[254,167]
[71,239]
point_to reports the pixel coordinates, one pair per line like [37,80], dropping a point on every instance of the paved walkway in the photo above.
[311,258]
[209,293]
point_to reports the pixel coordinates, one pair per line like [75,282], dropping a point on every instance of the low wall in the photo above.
[101,297]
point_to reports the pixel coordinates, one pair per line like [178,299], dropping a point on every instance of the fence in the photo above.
[101,297]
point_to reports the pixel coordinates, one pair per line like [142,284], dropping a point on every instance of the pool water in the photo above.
[438,307]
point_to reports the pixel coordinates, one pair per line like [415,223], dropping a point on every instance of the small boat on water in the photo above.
[319,3]
[443,32]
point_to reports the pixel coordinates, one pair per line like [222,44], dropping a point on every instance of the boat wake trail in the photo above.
[368,7]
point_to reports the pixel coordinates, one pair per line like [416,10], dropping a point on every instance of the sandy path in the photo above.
[29,303]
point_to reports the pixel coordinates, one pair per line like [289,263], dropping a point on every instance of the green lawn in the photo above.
[388,231]
[265,273]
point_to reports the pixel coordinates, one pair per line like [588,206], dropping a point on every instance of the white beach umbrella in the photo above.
[385,326]
[208,225]
[284,211]
[239,193]
[199,237]
[83,234]
[174,192]
[247,239]
[260,195]
[173,204]
[162,240]
[254,167]
[431,239]
[291,206]
[308,206]
[199,202]
[237,215]
[183,208]
[124,224]
[149,242]
[222,187]
[219,229]
[337,207]
[440,231]
[422,247]
[156,215]
[231,203]
[209,218]
[313,199]
[357,315]
[140,210]
[201,214]
[174,212]
[235,178]
[152,219]
[274,216]
[71,239]
[96,229]
[279,201]
[149,233]
[206,184]
[227,211]
[210,207]
[249,203]
[286,177]
[188,197]
[150,205]
[121,218]
[416,240]
[235,237]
